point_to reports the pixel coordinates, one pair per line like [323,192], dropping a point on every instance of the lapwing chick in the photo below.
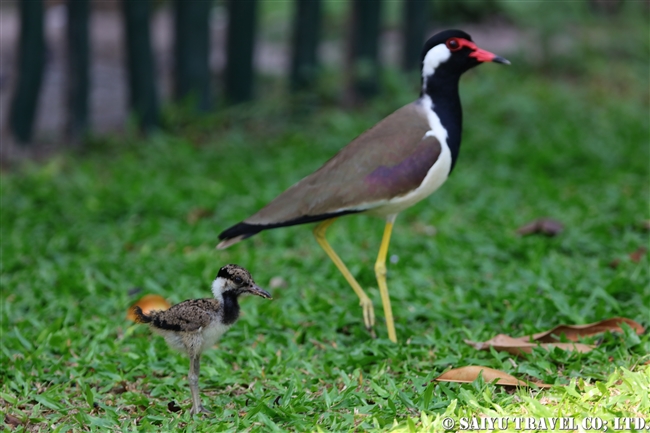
[392,166]
[196,324]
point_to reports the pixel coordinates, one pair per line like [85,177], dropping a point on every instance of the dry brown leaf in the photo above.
[545,226]
[521,345]
[12,420]
[120,388]
[550,339]
[573,332]
[470,373]
[637,255]
[148,303]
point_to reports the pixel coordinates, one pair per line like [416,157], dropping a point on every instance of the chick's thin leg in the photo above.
[193,379]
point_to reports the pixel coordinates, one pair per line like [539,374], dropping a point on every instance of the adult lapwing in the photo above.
[390,167]
[196,324]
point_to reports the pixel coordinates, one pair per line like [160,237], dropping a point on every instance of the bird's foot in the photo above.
[368,312]
[198,409]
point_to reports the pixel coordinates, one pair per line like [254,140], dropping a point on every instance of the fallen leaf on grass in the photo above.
[120,388]
[550,339]
[472,372]
[545,226]
[573,332]
[148,303]
[637,255]
[521,345]
[12,420]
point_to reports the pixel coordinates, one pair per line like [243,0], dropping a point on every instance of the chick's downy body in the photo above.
[195,325]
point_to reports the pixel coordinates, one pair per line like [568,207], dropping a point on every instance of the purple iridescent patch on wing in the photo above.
[407,175]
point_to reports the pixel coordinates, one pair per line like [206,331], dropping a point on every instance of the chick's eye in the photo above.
[453,44]
[238,280]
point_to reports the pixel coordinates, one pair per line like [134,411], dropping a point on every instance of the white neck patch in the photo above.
[436,55]
[437,130]
[218,287]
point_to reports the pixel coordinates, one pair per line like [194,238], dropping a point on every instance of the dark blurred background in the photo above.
[72,69]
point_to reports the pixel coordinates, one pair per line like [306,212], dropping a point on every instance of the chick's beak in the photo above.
[486,56]
[256,290]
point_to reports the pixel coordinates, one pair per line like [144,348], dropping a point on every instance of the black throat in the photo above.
[442,88]
[230,308]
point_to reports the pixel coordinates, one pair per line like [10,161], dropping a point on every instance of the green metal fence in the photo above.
[191,50]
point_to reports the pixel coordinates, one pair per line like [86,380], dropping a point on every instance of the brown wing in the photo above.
[189,315]
[387,161]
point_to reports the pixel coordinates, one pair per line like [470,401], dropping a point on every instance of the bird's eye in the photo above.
[453,44]
[238,280]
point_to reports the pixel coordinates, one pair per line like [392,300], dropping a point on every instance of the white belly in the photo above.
[212,334]
[194,341]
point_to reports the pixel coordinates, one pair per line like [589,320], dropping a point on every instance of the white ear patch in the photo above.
[436,55]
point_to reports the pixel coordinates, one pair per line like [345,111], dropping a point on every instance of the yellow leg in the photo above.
[364,300]
[380,271]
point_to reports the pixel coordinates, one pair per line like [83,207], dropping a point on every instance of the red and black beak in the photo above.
[486,56]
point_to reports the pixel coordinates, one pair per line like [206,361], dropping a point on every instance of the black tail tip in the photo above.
[140,317]
[242,229]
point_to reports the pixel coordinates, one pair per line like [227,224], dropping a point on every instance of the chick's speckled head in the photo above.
[236,279]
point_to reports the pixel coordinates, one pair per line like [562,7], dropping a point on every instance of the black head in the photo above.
[453,52]
[237,280]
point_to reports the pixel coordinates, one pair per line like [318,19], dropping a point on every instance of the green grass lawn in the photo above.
[80,232]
